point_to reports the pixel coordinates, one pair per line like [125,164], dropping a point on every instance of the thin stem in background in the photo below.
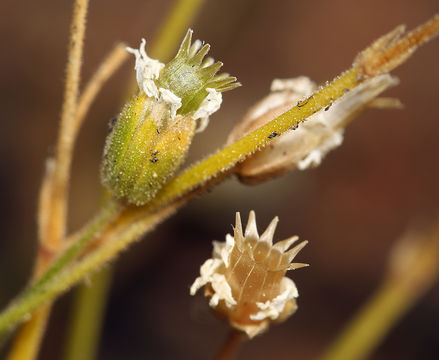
[174,27]
[87,315]
[414,268]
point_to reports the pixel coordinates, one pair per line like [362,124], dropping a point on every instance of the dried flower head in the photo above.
[152,135]
[245,279]
[306,146]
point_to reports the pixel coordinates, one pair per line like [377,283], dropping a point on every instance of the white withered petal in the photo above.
[245,278]
[147,70]
[210,105]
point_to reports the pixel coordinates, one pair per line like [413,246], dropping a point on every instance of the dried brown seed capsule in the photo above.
[245,280]
[306,146]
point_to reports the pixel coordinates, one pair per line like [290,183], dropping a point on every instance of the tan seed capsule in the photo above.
[245,279]
[305,146]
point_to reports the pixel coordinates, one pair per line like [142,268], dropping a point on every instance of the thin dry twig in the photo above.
[117,56]
[58,204]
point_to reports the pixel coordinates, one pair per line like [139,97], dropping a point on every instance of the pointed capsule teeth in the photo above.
[185,44]
[291,254]
[267,236]
[295,266]
[228,87]
[198,56]
[284,245]
[251,231]
[238,227]
[222,82]
[221,76]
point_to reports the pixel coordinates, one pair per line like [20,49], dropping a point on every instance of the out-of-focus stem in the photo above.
[27,344]
[173,28]
[86,319]
[414,268]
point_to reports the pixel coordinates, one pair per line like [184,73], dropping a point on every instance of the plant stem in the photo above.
[26,346]
[371,324]
[117,56]
[229,156]
[86,319]
[66,137]
[231,346]
[62,280]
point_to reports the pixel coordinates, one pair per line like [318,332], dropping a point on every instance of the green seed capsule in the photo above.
[152,135]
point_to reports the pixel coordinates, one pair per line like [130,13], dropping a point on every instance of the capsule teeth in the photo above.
[284,245]
[267,236]
[291,254]
[209,72]
[228,87]
[221,76]
[185,44]
[198,57]
[295,266]
[251,231]
[222,82]
[238,227]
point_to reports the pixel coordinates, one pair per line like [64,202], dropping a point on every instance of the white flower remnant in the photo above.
[172,100]
[147,70]
[245,278]
[210,104]
[307,145]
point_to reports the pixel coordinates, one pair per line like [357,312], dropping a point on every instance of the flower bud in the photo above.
[245,279]
[151,137]
[305,146]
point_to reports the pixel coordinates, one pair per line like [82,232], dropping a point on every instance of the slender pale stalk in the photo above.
[55,190]
[111,63]
[66,136]
[26,346]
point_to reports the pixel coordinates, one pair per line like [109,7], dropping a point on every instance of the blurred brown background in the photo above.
[352,208]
